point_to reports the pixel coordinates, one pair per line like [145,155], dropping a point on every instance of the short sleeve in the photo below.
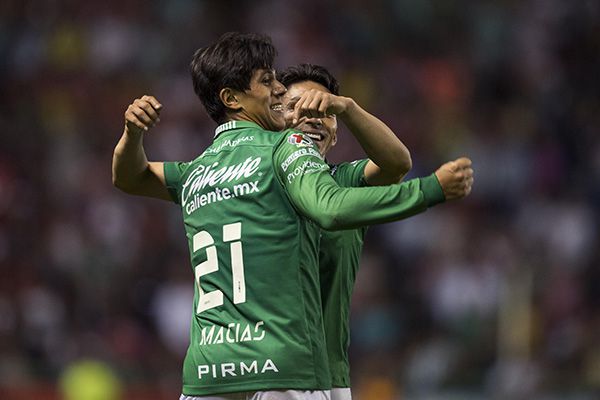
[174,171]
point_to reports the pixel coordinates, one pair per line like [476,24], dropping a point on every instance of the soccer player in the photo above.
[253,204]
[340,251]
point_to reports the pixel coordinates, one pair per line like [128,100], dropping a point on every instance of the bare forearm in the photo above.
[131,171]
[389,157]
[382,146]
[129,160]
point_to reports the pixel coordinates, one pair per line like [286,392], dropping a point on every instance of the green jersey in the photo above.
[339,260]
[248,204]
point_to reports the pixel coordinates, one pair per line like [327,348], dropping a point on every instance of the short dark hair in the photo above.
[229,62]
[309,72]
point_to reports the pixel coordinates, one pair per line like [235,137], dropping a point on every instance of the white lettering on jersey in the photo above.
[230,369]
[233,333]
[307,151]
[211,175]
[228,143]
[220,194]
[307,167]
[253,368]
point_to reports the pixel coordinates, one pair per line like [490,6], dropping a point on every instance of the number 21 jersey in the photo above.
[256,322]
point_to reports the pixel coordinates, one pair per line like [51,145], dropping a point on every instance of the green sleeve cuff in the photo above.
[432,190]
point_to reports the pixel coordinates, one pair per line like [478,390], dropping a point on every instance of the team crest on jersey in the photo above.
[300,140]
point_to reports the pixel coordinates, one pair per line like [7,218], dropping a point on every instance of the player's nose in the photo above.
[278,88]
[315,122]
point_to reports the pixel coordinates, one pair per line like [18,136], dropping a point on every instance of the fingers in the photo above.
[299,122]
[462,162]
[296,115]
[303,107]
[312,104]
[469,186]
[324,106]
[456,178]
[152,100]
[465,187]
[131,120]
[450,166]
[143,113]
[464,174]
[461,167]
[143,116]
[146,108]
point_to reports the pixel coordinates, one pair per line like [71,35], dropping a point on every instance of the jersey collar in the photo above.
[231,125]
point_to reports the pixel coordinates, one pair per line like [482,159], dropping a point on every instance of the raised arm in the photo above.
[389,159]
[131,170]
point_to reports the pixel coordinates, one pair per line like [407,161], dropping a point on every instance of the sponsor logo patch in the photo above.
[297,154]
[307,167]
[196,191]
[238,368]
[300,140]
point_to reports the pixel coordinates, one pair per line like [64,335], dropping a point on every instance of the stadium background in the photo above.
[496,296]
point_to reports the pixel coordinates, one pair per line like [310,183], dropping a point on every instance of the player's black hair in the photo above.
[229,62]
[309,72]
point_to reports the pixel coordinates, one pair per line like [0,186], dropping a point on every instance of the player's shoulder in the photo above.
[297,138]
[293,139]
[295,144]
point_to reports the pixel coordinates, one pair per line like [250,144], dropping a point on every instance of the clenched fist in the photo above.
[142,114]
[456,178]
[315,103]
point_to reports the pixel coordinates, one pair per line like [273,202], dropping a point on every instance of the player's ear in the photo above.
[334,139]
[230,98]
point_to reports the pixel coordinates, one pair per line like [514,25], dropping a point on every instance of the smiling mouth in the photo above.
[317,137]
[277,107]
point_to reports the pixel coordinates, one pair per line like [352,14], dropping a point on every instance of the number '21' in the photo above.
[232,234]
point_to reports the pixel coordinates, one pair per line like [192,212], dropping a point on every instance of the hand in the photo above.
[317,104]
[456,178]
[142,114]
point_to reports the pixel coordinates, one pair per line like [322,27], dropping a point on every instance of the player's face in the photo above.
[262,103]
[321,130]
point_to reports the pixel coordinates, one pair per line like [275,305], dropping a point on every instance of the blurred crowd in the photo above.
[495,296]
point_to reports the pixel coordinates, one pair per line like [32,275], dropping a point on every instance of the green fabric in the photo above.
[432,190]
[314,193]
[257,322]
[339,261]
[271,338]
